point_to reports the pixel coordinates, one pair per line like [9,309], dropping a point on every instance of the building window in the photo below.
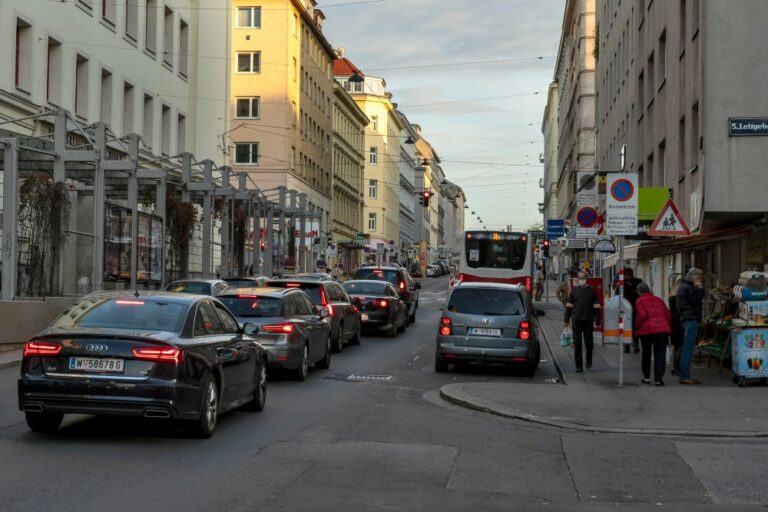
[249,62]
[86,4]
[293,158]
[106,97]
[23,71]
[168,37]
[358,87]
[249,17]
[53,78]
[662,163]
[150,37]
[132,20]
[183,48]
[375,123]
[695,17]
[641,91]
[651,78]
[247,108]
[371,222]
[695,135]
[81,87]
[293,114]
[683,24]
[247,153]
[663,58]
[165,130]
[149,120]
[648,181]
[681,148]
[128,107]
[295,25]
[373,189]
[374,157]
[108,12]
[181,134]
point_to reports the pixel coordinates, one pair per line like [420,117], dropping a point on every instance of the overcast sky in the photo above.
[490,147]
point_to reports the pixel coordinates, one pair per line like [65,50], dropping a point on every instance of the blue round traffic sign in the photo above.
[622,190]
[587,217]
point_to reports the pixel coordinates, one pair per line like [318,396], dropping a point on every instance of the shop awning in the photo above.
[630,253]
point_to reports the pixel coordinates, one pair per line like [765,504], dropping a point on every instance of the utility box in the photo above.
[611,322]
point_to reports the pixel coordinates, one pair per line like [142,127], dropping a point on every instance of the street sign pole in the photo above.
[620,241]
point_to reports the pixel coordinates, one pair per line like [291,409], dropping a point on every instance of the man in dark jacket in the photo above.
[690,296]
[583,311]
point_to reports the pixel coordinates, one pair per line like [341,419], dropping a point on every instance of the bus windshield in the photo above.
[495,250]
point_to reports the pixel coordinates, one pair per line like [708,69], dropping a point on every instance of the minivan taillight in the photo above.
[402,285]
[446,326]
[528,283]
[41,348]
[524,331]
[159,354]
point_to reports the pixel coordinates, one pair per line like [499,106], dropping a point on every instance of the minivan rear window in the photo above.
[314,290]
[485,301]
[377,274]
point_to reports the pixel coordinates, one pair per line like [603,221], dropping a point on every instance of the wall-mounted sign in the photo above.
[748,126]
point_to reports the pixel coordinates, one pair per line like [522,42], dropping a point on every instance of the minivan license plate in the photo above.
[479,331]
[92,364]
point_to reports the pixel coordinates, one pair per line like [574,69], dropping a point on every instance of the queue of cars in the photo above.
[438,269]
[201,347]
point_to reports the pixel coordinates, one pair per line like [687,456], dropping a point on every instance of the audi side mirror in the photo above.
[441,308]
[249,329]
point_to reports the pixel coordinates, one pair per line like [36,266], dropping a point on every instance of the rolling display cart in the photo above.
[749,335]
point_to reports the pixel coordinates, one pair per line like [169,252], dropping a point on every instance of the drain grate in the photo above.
[547,380]
[364,377]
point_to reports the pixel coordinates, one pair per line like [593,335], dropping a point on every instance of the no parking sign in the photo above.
[621,205]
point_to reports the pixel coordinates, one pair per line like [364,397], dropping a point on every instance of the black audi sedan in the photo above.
[381,307]
[153,355]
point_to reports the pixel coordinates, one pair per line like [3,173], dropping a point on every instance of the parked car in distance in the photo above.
[380,306]
[210,287]
[488,323]
[291,328]
[406,287]
[431,271]
[154,355]
[247,281]
[343,317]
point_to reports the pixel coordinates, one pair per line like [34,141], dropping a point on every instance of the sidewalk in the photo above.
[10,356]
[592,401]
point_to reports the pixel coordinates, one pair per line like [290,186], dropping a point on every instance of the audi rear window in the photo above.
[363,287]
[486,302]
[311,289]
[125,313]
[374,274]
[253,306]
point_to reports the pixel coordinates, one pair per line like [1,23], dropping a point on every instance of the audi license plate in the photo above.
[479,331]
[91,364]
[363,317]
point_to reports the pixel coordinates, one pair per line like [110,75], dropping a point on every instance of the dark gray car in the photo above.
[291,329]
[488,323]
[210,287]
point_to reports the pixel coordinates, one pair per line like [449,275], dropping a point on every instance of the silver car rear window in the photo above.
[486,301]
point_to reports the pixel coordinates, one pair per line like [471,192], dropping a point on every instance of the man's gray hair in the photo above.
[693,274]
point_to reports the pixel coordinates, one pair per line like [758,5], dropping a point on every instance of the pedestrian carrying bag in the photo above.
[566,338]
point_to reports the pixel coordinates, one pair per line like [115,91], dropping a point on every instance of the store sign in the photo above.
[621,205]
[748,126]
[650,202]
[586,193]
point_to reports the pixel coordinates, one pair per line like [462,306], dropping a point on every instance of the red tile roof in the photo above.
[345,67]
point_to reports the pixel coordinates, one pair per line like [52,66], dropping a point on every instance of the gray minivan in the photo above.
[488,323]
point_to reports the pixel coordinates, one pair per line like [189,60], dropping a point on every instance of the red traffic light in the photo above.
[546,243]
[426,194]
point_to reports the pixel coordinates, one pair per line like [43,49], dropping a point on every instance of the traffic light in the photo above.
[424,198]
[546,248]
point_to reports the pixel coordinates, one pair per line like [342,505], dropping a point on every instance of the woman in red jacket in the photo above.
[653,327]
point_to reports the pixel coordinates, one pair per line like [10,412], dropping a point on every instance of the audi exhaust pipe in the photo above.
[32,408]
[157,414]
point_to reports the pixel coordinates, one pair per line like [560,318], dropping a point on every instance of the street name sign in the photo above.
[621,204]
[669,222]
[748,126]
[555,228]
[586,192]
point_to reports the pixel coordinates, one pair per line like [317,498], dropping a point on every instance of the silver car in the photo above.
[488,323]
[291,329]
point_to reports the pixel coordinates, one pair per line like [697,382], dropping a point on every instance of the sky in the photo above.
[483,118]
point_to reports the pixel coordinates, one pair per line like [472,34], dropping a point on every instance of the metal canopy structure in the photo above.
[101,171]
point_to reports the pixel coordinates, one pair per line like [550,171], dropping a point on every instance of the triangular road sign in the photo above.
[669,222]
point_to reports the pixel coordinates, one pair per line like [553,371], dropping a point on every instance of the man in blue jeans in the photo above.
[690,296]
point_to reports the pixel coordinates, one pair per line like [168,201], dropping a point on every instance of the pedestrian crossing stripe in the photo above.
[669,222]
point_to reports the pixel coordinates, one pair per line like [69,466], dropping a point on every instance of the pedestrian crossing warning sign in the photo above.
[669,222]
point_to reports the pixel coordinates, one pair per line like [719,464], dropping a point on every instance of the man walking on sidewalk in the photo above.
[690,295]
[583,311]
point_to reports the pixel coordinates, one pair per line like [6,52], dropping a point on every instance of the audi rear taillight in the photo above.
[384,303]
[278,328]
[525,331]
[41,348]
[446,326]
[158,354]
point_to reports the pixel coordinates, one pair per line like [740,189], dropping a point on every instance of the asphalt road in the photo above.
[371,433]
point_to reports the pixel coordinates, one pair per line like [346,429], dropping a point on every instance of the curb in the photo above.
[559,368]
[455,394]
[10,364]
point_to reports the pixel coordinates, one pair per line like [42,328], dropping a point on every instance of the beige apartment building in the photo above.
[678,87]
[349,123]
[575,102]
[281,108]
[381,215]
[549,128]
